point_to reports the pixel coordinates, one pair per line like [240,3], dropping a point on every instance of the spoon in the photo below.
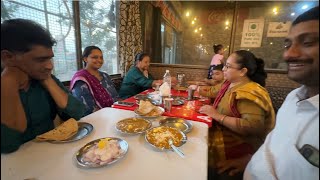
[175,149]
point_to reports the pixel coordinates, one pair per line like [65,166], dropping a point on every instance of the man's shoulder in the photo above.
[295,93]
[133,69]
[134,72]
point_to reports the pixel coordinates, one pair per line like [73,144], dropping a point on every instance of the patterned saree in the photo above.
[100,94]
[224,143]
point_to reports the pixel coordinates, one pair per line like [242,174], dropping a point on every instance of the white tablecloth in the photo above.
[46,161]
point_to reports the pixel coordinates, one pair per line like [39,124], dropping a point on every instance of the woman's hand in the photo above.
[195,87]
[173,81]
[209,110]
[206,80]
[146,73]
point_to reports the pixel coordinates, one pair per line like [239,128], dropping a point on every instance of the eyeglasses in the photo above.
[227,66]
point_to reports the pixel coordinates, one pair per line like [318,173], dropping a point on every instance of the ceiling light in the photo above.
[274,9]
[292,14]
[188,14]
[304,7]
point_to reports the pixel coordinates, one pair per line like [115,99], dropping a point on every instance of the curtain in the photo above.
[130,42]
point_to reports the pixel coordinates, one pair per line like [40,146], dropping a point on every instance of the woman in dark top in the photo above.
[138,77]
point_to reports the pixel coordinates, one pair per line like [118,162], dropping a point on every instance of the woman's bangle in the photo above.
[222,119]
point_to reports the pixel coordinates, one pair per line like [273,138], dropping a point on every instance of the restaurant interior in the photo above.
[178,35]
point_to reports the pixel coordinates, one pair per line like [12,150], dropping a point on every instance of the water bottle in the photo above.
[167,78]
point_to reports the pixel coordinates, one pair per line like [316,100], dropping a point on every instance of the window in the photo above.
[169,44]
[207,23]
[97,22]
[57,17]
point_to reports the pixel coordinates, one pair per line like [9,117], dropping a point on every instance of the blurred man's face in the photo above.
[302,53]
[217,75]
[37,62]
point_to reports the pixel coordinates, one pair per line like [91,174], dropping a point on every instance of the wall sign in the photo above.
[278,29]
[252,33]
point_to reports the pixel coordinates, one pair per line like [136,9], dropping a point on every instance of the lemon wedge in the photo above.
[102,143]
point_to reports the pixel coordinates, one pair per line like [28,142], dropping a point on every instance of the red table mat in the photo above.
[186,111]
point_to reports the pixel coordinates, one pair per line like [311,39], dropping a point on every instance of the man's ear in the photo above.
[7,58]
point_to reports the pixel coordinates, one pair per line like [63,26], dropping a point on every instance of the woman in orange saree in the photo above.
[242,111]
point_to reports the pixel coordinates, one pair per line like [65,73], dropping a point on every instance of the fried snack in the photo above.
[133,125]
[62,132]
[160,136]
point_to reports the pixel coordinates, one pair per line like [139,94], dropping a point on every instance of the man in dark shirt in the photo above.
[31,96]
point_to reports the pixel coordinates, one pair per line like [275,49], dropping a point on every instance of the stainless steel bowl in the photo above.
[80,153]
[183,140]
[148,126]
[84,129]
[179,123]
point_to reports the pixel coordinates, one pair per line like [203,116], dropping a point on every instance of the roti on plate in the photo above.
[62,132]
[145,107]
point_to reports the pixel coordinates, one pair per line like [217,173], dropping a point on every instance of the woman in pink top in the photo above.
[216,59]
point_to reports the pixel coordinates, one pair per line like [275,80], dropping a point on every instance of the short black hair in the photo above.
[311,14]
[19,35]
[217,67]
[87,51]
[140,56]
[254,65]
[217,48]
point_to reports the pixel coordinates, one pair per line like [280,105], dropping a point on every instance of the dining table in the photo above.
[188,110]
[51,161]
